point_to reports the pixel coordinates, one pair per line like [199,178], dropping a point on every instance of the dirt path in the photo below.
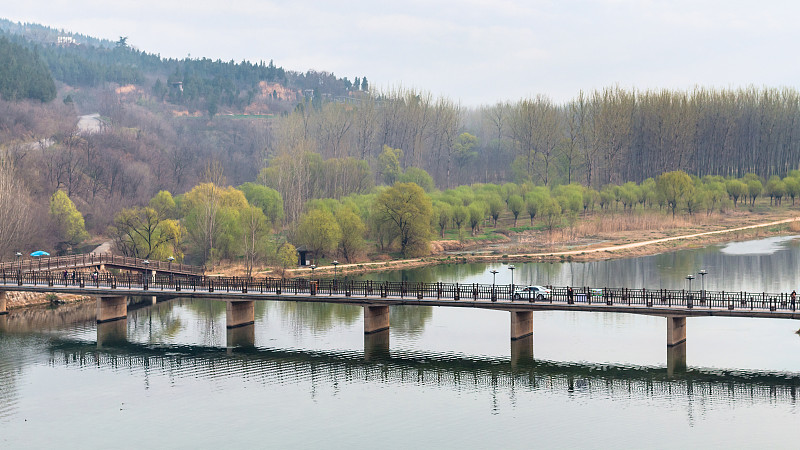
[655,241]
[406,263]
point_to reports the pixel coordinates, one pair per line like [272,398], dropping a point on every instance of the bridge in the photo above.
[99,261]
[112,291]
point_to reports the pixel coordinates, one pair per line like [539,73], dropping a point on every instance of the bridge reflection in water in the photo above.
[115,351]
[279,366]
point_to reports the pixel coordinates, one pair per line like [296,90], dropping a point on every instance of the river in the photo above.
[167,377]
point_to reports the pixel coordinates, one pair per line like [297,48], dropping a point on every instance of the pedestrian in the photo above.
[73,277]
[570,294]
[65,277]
[794,297]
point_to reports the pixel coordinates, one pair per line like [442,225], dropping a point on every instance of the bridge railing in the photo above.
[647,298]
[51,263]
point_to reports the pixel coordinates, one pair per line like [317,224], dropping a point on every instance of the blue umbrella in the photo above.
[40,253]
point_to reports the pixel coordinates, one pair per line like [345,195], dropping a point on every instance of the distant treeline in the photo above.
[606,136]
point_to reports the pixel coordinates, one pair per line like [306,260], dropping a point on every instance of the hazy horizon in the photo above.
[474,51]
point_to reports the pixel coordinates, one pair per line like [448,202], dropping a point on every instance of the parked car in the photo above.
[532,292]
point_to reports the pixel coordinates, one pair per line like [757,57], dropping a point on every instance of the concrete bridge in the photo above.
[111,292]
[98,261]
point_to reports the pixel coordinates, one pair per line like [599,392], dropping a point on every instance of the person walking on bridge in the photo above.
[794,298]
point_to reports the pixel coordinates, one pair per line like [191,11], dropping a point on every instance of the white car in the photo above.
[531,293]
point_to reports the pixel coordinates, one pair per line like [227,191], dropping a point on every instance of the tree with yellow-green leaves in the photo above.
[211,217]
[67,220]
[287,256]
[407,211]
[675,187]
[319,231]
[353,229]
[143,233]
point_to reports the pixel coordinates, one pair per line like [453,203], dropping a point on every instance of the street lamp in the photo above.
[703,274]
[494,276]
[170,259]
[146,263]
[511,268]
[19,264]
[690,277]
[335,284]
[312,271]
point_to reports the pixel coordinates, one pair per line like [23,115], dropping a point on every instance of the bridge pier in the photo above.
[3,309]
[521,324]
[376,318]
[522,351]
[240,314]
[112,333]
[376,345]
[676,330]
[242,337]
[112,308]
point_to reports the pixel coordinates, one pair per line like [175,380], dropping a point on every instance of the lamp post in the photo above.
[702,274]
[312,271]
[494,277]
[19,262]
[170,259]
[335,263]
[511,268]
[690,277]
[146,263]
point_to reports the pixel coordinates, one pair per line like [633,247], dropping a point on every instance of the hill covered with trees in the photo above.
[279,153]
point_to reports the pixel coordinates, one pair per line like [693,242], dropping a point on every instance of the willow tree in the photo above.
[407,211]
[676,187]
[68,221]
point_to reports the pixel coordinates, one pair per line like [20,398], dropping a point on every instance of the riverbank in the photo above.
[563,246]
[21,299]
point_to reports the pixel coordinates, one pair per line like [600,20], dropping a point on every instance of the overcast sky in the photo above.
[475,51]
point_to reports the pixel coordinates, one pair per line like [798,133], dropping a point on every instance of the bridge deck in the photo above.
[641,301]
[73,262]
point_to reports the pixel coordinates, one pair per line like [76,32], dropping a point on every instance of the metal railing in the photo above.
[645,298]
[52,263]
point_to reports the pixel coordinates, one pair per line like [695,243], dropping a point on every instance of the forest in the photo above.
[341,170]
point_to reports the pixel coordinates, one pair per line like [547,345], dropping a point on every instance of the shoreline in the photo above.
[591,252]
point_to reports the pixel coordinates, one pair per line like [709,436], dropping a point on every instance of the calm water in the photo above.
[301,377]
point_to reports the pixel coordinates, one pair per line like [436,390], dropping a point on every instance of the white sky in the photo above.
[475,51]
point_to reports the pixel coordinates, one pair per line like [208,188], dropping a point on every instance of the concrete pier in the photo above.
[3,309]
[376,346]
[521,324]
[112,333]
[240,314]
[676,330]
[522,351]
[376,318]
[241,337]
[112,308]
